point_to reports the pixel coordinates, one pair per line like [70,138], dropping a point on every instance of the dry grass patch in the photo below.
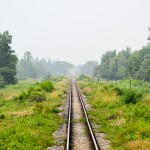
[146,99]
[55,95]
[20,113]
[110,97]
[87,90]
[105,96]
[62,85]
[138,145]
[120,122]
[9,94]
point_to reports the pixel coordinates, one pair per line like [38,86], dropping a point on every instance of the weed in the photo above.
[131,96]
[121,113]
[38,108]
[29,125]
[138,145]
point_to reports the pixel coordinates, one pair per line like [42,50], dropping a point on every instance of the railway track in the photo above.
[80,135]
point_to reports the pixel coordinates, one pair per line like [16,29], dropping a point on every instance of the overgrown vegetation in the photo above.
[121,113]
[27,122]
[36,93]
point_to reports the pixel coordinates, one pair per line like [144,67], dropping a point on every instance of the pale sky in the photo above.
[75,30]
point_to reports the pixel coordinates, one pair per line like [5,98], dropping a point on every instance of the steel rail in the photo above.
[68,143]
[69,119]
[94,142]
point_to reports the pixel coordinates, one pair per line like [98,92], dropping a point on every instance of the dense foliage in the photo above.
[125,64]
[8,60]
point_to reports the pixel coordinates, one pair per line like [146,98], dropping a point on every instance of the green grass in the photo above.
[11,91]
[29,125]
[127,126]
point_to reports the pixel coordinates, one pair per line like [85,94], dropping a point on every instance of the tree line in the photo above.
[113,66]
[12,69]
[125,64]
[28,67]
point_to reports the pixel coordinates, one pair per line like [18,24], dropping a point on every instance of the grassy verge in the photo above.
[29,124]
[126,124]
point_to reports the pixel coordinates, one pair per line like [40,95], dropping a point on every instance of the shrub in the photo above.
[37,96]
[118,90]
[81,77]
[131,96]
[2,116]
[33,89]
[23,96]
[46,86]
[36,93]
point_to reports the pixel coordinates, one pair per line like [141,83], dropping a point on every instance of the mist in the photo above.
[75,31]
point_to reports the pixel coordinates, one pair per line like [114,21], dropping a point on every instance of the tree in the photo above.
[8,59]
[123,63]
[25,68]
[145,68]
[107,65]
[60,68]
[88,68]
[97,72]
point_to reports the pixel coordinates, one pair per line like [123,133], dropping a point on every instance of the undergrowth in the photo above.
[27,123]
[121,113]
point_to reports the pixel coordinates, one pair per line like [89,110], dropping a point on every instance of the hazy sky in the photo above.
[75,30]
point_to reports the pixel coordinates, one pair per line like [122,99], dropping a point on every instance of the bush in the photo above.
[23,96]
[118,90]
[131,96]
[2,116]
[36,93]
[37,96]
[81,77]
[46,86]
[33,89]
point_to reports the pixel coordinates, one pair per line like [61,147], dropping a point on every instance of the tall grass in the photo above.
[27,124]
[126,123]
